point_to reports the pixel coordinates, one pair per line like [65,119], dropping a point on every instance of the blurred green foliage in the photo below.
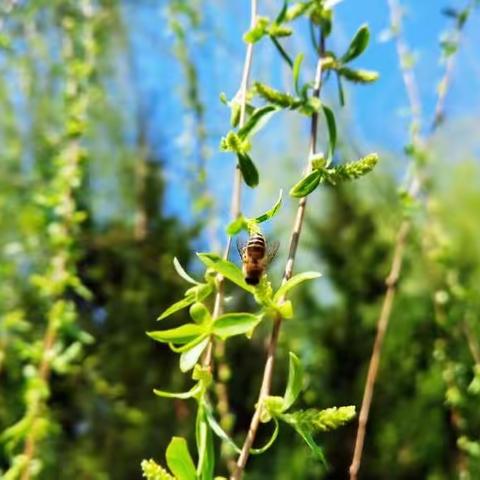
[102,417]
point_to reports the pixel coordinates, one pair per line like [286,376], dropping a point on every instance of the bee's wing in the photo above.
[241,245]
[272,249]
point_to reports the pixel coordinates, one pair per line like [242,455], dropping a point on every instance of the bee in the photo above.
[256,254]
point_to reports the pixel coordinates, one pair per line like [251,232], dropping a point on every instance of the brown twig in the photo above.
[413,189]
[294,240]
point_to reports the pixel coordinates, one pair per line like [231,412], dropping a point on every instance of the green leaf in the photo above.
[189,358]
[248,169]
[358,76]
[293,282]
[195,390]
[306,185]
[204,437]
[179,460]
[227,269]
[295,382]
[232,324]
[179,335]
[296,71]
[309,440]
[236,226]
[358,44]
[218,430]
[180,270]
[272,212]
[257,121]
[281,16]
[332,131]
[199,313]
[282,51]
[181,304]
[270,442]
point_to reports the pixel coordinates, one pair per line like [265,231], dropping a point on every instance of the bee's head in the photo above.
[252,280]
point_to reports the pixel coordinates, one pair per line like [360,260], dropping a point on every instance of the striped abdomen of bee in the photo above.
[254,259]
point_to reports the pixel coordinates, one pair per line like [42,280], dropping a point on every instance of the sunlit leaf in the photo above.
[358,44]
[296,72]
[195,390]
[306,185]
[272,212]
[227,269]
[236,226]
[180,270]
[189,358]
[232,324]
[204,437]
[181,304]
[179,460]
[257,121]
[179,335]
[295,382]
[293,282]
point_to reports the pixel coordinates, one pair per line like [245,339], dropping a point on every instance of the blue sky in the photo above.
[376,115]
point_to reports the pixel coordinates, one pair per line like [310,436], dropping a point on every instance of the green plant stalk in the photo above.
[414,186]
[294,241]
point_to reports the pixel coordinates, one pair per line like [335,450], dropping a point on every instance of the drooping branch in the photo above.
[294,241]
[413,188]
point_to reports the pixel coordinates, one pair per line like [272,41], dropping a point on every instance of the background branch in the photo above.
[413,188]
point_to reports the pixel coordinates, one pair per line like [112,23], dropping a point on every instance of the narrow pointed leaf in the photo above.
[293,282]
[358,44]
[227,269]
[183,334]
[218,430]
[236,226]
[272,212]
[204,437]
[282,51]
[257,121]
[248,169]
[232,324]
[179,460]
[183,395]
[296,72]
[180,270]
[306,185]
[281,16]
[295,382]
[181,304]
[189,358]
[332,130]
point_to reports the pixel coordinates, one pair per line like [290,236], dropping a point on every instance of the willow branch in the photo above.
[237,179]
[413,188]
[294,241]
